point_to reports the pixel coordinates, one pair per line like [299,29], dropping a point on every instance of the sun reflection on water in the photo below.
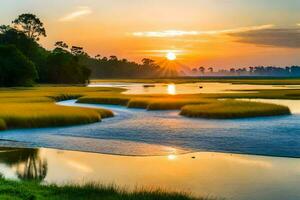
[172,89]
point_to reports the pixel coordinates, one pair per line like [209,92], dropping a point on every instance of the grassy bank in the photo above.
[35,107]
[230,109]
[196,106]
[35,191]
[27,115]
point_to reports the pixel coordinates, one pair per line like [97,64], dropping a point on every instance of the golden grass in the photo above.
[35,107]
[229,109]
[25,115]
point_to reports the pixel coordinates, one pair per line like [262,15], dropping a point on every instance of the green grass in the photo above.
[13,190]
[230,109]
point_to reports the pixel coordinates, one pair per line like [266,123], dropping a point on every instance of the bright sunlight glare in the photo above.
[171,56]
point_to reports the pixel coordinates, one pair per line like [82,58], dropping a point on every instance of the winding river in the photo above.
[140,132]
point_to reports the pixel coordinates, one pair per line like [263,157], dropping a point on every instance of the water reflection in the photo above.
[172,89]
[186,88]
[232,176]
[26,163]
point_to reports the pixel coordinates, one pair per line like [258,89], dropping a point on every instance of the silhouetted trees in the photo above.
[289,71]
[15,68]
[34,62]
[30,25]
[63,66]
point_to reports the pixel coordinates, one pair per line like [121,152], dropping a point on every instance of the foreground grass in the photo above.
[229,109]
[35,191]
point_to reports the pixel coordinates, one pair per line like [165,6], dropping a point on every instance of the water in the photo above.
[232,176]
[188,88]
[140,132]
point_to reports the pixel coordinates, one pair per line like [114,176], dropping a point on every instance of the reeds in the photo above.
[229,109]
[25,115]
[33,190]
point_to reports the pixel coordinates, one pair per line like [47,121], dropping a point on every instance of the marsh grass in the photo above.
[2,124]
[33,190]
[229,109]
[175,104]
[25,115]
[35,107]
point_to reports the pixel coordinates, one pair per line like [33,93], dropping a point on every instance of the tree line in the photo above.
[273,71]
[24,62]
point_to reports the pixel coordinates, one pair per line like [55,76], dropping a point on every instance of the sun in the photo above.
[171,56]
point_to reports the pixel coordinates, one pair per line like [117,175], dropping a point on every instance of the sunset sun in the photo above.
[171,56]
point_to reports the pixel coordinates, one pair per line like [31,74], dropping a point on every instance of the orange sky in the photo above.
[225,33]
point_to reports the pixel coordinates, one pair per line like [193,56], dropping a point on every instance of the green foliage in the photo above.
[15,68]
[30,48]
[119,68]
[63,67]
[229,109]
[26,190]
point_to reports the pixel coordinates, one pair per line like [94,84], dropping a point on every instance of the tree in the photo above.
[201,70]
[15,68]
[30,25]
[148,62]
[77,51]
[61,44]
[64,67]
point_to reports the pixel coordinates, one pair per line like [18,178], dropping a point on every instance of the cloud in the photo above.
[279,37]
[81,11]
[179,33]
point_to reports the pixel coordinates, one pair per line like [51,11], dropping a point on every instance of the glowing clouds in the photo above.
[81,11]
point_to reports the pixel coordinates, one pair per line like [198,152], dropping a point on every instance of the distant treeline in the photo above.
[24,62]
[272,71]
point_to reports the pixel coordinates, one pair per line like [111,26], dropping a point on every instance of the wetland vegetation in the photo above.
[27,190]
